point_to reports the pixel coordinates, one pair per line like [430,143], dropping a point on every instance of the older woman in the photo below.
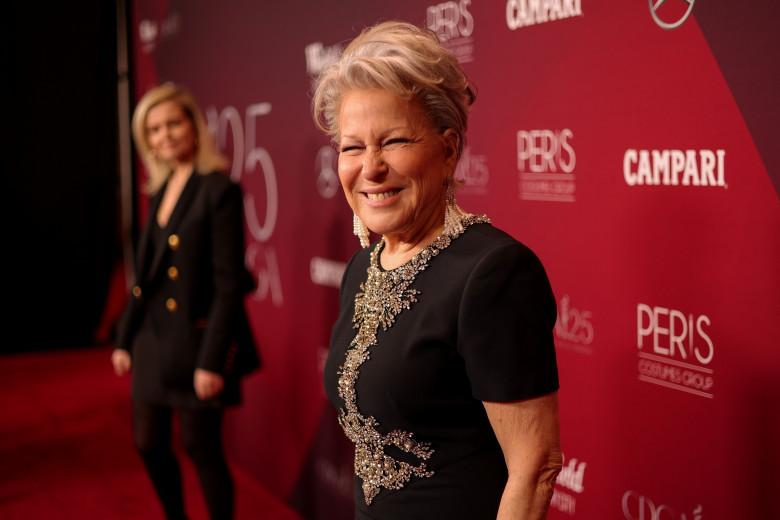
[184,332]
[442,365]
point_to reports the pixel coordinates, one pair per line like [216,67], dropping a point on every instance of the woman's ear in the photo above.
[451,144]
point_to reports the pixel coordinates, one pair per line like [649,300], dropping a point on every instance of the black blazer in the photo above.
[190,287]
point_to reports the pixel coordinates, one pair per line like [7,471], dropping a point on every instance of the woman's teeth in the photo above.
[381,196]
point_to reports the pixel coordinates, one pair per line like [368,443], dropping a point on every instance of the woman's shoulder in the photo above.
[486,248]
[217,185]
[215,179]
[485,238]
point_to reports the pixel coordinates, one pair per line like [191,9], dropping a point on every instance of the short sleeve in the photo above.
[505,326]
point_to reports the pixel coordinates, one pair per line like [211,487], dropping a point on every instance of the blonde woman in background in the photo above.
[184,335]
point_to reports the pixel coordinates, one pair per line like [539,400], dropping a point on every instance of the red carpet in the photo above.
[66,449]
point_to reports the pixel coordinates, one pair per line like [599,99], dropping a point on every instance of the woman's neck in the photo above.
[399,249]
[174,187]
[181,171]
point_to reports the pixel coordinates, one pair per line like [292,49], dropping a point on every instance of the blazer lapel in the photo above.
[145,240]
[185,201]
[179,212]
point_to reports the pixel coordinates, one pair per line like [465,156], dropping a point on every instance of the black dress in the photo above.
[470,323]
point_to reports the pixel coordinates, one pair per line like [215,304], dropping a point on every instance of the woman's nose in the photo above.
[373,163]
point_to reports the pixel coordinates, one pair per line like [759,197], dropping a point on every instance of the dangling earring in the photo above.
[453,214]
[360,230]
[151,154]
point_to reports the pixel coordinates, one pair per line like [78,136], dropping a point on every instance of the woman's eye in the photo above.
[395,142]
[351,148]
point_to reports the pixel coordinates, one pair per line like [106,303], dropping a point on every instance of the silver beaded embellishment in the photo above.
[382,297]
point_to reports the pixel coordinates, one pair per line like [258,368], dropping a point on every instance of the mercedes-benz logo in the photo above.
[673,12]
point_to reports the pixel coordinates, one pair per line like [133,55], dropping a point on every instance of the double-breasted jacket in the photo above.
[190,284]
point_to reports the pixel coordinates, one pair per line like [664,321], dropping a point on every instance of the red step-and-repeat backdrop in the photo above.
[630,144]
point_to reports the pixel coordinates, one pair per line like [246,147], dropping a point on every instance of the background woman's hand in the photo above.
[121,361]
[207,384]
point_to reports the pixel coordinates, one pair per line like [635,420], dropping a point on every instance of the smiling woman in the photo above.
[165,115]
[171,133]
[441,365]
[184,335]
[394,167]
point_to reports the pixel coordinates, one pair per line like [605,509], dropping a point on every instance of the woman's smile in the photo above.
[381,196]
[170,133]
[393,165]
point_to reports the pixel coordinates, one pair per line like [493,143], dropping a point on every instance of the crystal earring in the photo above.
[360,230]
[453,214]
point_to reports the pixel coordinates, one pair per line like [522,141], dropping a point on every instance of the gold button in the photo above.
[173,242]
[137,291]
[171,305]
[173,273]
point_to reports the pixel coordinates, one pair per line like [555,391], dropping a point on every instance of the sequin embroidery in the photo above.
[382,297]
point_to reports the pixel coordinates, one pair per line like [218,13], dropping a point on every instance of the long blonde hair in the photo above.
[207,157]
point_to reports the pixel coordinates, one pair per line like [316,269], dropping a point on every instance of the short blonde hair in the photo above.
[207,157]
[405,60]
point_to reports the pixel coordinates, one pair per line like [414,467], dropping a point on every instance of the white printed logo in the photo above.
[318,57]
[680,350]
[675,168]
[150,32]
[670,13]
[453,24]
[472,170]
[545,162]
[573,326]
[328,183]
[572,478]
[522,13]
[639,507]
[250,162]
[326,272]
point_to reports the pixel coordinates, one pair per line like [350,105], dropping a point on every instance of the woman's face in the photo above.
[393,164]
[171,133]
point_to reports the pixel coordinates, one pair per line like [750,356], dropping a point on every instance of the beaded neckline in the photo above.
[382,297]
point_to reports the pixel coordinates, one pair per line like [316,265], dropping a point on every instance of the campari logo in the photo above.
[675,349]
[522,13]
[453,23]
[545,164]
[639,507]
[675,168]
[569,484]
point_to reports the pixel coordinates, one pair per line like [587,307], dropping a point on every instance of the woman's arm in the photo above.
[528,433]
[230,279]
